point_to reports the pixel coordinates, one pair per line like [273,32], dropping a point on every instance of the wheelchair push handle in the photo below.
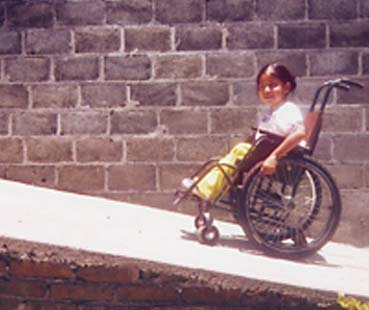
[341,83]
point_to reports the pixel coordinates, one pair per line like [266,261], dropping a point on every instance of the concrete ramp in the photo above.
[131,231]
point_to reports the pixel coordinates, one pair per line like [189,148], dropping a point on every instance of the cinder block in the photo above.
[301,35]
[79,123]
[179,11]
[280,10]
[49,150]
[13,96]
[104,40]
[10,42]
[343,119]
[178,122]
[77,68]
[136,67]
[229,10]
[150,149]
[154,94]
[210,93]
[133,122]
[351,148]
[334,9]
[30,14]
[127,12]
[4,123]
[54,96]
[245,94]
[250,36]
[231,65]
[364,8]
[171,175]
[233,120]
[94,149]
[149,38]
[355,95]
[34,123]
[35,175]
[48,41]
[366,63]
[78,13]
[132,177]
[178,66]
[195,38]
[349,34]
[334,63]
[104,95]
[11,150]
[29,69]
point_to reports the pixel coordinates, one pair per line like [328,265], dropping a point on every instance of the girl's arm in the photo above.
[289,143]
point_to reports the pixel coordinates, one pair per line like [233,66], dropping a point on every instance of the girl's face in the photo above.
[272,90]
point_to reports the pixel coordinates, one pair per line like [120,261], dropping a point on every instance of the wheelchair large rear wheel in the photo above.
[293,212]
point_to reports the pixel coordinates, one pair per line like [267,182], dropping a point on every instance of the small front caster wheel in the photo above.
[203,219]
[208,234]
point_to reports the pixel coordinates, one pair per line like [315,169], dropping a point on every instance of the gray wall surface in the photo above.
[122,98]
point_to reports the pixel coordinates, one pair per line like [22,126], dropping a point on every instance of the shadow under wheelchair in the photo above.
[240,243]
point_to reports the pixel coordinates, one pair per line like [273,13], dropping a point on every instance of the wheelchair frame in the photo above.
[264,218]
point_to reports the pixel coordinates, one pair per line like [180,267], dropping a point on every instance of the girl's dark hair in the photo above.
[280,72]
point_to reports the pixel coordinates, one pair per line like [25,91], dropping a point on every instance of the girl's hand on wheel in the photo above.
[269,165]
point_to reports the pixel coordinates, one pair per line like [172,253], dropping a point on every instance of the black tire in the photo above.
[208,234]
[293,212]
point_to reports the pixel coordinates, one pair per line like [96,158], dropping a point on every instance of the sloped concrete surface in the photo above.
[139,232]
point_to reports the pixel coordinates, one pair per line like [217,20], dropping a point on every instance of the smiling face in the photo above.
[272,90]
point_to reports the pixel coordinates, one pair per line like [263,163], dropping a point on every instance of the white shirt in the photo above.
[282,121]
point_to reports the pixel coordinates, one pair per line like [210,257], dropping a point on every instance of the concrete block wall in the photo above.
[121,98]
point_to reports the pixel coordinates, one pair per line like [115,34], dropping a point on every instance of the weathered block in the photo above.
[4,123]
[150,38]
[305,35]
[13,96]
[81,178]
[48,41]
[171,175]
[343,119]
[36,175]
[245,94]
[85,291]
[133,122]
[177,66]
[150,149]
[34,14]
[232,120]
[201,148]
[131,177]
[76,13]
[103,95]
[229,10]
[230,65]
[333,63]
[351,148]
[79,123]
[179,122]
[355,95]
[280,10]
[205,93]
[179,11]
[334,9]
[54,96]
[11,150]
[77,68]
[94,149]
[27,69]
[250,36]
[102,40]
[10,42]
[127,12]
[49,150]
[347,176]
[154,94]
[349,34]
[35,123]
[136,67]
[192,38]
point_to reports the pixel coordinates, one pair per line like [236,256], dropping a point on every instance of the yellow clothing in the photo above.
[214,181]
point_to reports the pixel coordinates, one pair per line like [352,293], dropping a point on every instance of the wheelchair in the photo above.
[291,213]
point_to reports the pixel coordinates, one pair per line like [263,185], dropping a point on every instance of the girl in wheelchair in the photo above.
[284,119]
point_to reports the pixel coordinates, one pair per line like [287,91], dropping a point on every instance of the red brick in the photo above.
[81,292]
[81,178]
[150,149]
[36,175]
[11,150]
[147,293]
[49,150]
[108,274]
[3,267]
[93,149]
[23,288]
[40,269]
